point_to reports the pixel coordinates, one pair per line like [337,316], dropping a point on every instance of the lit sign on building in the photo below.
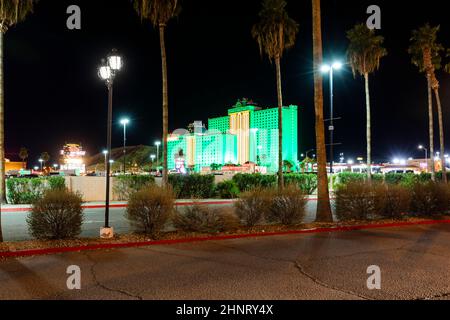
[72,158]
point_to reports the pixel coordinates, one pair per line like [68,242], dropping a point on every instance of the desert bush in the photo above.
[227,189]
[29,190]
[430,198]
[150,209]
[287,205]
[392,201]
[252,206]
[201,218]
[306,182]
[247,182]
[57,215]
[192,185]
[355,201]
[125,186]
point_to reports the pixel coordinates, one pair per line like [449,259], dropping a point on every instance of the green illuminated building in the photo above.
[247,134]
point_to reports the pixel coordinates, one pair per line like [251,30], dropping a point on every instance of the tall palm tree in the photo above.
[11,13]
[364,54]
[159,13]
[426,55]
[23,154]
[276,32]
[323,213]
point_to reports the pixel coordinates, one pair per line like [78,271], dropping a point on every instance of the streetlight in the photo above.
[124,122]
[330,69]
[157,144]
[41,161]
[152,156]
[55,166]
[107,72]
[421,147]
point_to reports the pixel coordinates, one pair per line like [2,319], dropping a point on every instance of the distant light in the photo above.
[105,152]
[124,121]
[410,159]
[396,161]
[420,147]
[350,161]
[111,161]
[402,162]
[157,143]
[36,168]
[115,61]
[40,160]
[337,65]
[325,68]
[153,157]
[55,165]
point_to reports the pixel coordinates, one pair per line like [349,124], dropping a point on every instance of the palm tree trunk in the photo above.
[280,125]
[441,135]
[2,135]
[431,129]
[323,213]
[368,129]
[165,177]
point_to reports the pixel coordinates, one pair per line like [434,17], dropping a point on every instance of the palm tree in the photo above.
[323,213]
[160,12]
[276,32]
[11,13]
[23,154]
[364,54]
[45,158]
[426,55]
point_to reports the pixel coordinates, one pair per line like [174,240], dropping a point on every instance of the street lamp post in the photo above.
[157,144]
[124,122]
[41,161]
[152,156]
[330,69]
[421,147]
[107,72]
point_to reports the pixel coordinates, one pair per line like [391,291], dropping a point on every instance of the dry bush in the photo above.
[252,206]
[57,215]
[392,201]
[355,201]
[287,206]
[150,209]
[203,219]
[430,198]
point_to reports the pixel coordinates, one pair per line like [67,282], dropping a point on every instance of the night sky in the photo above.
[53,94]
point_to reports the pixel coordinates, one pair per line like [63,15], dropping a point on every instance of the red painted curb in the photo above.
[34,252]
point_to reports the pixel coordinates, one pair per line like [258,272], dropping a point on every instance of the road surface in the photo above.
[15,227]
[414,263]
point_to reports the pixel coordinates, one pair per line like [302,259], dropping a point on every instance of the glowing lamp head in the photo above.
[104,72]
[41,160]
[115,61]
[158,143]
[153,157]
[337,65]
[420,147]
[105,152]
[325,68]
[124,122]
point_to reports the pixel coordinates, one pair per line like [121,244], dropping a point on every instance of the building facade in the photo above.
[248,134]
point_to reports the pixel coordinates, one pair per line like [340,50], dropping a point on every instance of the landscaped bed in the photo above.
[131,240]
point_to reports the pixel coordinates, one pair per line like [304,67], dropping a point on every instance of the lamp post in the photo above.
[124,122]
[421,147]
[330,69]
[157,144]
[41,161]
[107,72]
[152,156]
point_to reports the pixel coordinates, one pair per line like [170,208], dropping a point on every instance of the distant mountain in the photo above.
[136,156]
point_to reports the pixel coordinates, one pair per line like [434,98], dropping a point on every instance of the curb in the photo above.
[38,252]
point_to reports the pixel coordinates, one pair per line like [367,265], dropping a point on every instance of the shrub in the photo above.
[247,182]
[125,186]
[344,178]
[29,190]
[430,198]
[149,209]
[227,189]
[192,186]
[57,215]
[306,182]
[287,206]
[392,201]
[252,206]
[201,218]
[355,201]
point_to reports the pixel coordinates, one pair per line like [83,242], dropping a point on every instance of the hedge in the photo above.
[306,182]
[29,190]
[126,185]
[192,186]
[247,181]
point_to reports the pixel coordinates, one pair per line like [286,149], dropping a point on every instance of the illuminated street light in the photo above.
[107,72]
[41,161]
[157,144]
[330,69]
[421,147]
[350,161]
[124,122]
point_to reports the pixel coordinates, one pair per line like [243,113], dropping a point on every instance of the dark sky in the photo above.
[53,94]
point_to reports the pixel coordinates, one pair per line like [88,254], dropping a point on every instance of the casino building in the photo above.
[247,134]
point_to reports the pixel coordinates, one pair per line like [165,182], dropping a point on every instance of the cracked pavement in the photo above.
[414,262]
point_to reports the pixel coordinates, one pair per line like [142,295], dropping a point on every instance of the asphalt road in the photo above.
[414,263]
[15,227]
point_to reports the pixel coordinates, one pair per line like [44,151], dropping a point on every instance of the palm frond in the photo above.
[158,12]
[14,11]
[425,51]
